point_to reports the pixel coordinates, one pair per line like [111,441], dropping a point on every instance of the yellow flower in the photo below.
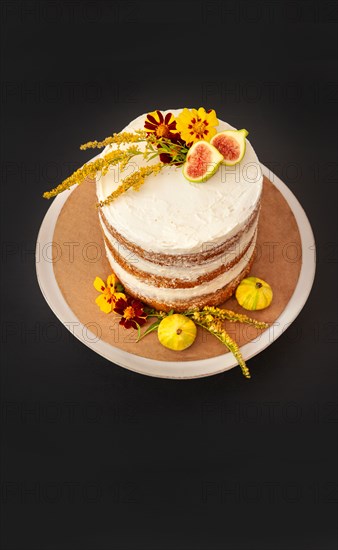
[194,125]
[109,296]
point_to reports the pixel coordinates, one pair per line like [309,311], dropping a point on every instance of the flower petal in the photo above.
[165,158]
[103,304]
[201,113]
[140,320]
[185,116]
[120,305]
[212,118]
[150,127]
[160,116]
[99,284]
[210,134]
[127,323]
[111,282]
[118,295]
[169,119]
[172,125]
[155,117]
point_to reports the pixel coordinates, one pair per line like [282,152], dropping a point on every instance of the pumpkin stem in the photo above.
[258,285]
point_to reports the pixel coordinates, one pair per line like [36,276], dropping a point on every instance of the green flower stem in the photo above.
[155,313]
[152,328]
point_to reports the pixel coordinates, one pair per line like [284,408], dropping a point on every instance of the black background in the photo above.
[95,457]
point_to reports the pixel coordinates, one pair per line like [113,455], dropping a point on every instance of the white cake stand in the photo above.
[187,369]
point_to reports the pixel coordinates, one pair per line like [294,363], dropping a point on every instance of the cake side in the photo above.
[161,301]
[188,280]
[209,251]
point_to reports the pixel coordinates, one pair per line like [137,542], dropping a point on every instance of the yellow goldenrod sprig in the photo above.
[117,138]
[91,168]
[228,315]
[214,326]
[155,147]
[135,181]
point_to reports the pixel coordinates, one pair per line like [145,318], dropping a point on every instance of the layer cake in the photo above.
[175,244]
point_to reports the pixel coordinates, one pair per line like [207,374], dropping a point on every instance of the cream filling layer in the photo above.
[172,295]
[183,273]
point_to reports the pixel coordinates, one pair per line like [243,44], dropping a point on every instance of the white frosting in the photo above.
[170,215]
[181,272]
[174,295]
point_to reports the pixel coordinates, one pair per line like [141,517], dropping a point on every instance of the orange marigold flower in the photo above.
[195,125]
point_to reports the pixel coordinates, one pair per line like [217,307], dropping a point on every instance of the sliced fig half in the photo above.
[231,144]
[202,162]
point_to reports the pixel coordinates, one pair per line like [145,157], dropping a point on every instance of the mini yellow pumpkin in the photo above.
[254,293]
[177,332]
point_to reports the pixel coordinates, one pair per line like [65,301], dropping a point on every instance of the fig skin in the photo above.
[212,165]
[239,136]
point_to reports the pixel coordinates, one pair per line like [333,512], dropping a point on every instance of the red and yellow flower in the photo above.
[109,295]
[131,311]
[195,125]
[161,126]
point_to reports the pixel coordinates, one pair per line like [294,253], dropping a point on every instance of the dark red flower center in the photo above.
[162,130]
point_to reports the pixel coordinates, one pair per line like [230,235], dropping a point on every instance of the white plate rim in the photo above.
[175,369]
